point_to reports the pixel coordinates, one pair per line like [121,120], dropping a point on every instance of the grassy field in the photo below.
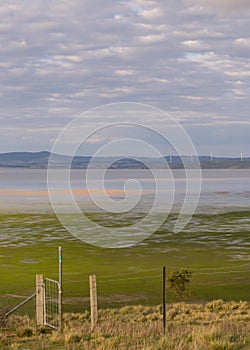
[216,325]
[214,247]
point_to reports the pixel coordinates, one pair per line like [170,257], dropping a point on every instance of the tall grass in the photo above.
[216,325]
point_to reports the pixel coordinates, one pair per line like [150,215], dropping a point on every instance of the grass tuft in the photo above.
[24,332]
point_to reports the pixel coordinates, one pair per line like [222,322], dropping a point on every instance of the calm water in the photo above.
[25,190]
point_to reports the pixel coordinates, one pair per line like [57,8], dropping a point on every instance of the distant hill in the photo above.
[39,160]
[25,159]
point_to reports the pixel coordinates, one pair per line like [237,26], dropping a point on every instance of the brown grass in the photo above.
[216,325]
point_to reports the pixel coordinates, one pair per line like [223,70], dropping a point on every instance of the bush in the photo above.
[178,282]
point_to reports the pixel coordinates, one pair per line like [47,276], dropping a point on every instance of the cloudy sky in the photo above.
[189,58]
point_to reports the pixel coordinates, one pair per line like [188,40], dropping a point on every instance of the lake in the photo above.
[25,190]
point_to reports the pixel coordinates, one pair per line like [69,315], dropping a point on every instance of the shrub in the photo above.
[178,282]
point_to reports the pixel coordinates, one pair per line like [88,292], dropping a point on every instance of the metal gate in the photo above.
[52,304]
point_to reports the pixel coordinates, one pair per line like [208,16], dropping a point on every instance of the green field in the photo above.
[214,247]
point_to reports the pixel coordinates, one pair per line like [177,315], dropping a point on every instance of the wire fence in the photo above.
[195,272]
[144,285]
[119,289]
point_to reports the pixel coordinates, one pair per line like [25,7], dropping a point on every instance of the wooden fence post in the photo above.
[39,300]
[93,301]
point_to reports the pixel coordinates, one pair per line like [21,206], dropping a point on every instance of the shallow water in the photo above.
[26,190]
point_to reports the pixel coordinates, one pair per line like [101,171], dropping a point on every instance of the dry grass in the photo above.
[216,325]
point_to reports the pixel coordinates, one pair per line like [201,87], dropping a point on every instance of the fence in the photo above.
[49,291]
[5,315]
[48,296]
[52,310]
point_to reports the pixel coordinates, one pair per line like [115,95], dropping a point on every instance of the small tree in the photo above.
[178,282]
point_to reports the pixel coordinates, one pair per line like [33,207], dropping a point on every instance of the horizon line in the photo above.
[241,156]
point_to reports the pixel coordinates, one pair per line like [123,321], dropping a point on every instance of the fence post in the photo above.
[60,289]
[39,300]
[164,297]
[93,301]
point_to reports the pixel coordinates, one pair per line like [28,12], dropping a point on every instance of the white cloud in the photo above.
[124,72]
[238,74]
[152,13]
[195,45]
[96,139]
[245,42]
[71,58]
[150,39]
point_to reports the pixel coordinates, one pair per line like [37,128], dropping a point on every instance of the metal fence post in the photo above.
[164,297]
[60,289]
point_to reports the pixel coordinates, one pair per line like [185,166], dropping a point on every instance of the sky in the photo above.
[189,58]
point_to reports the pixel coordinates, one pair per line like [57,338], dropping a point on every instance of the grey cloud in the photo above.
[59,58]
[222,7]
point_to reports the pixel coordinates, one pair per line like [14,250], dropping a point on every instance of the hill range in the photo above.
[40,160]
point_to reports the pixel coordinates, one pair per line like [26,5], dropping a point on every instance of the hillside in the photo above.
[39,160]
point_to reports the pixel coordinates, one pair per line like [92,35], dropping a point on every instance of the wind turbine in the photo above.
[211,156]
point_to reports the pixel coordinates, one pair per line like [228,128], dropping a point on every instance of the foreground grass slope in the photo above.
[216,325]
